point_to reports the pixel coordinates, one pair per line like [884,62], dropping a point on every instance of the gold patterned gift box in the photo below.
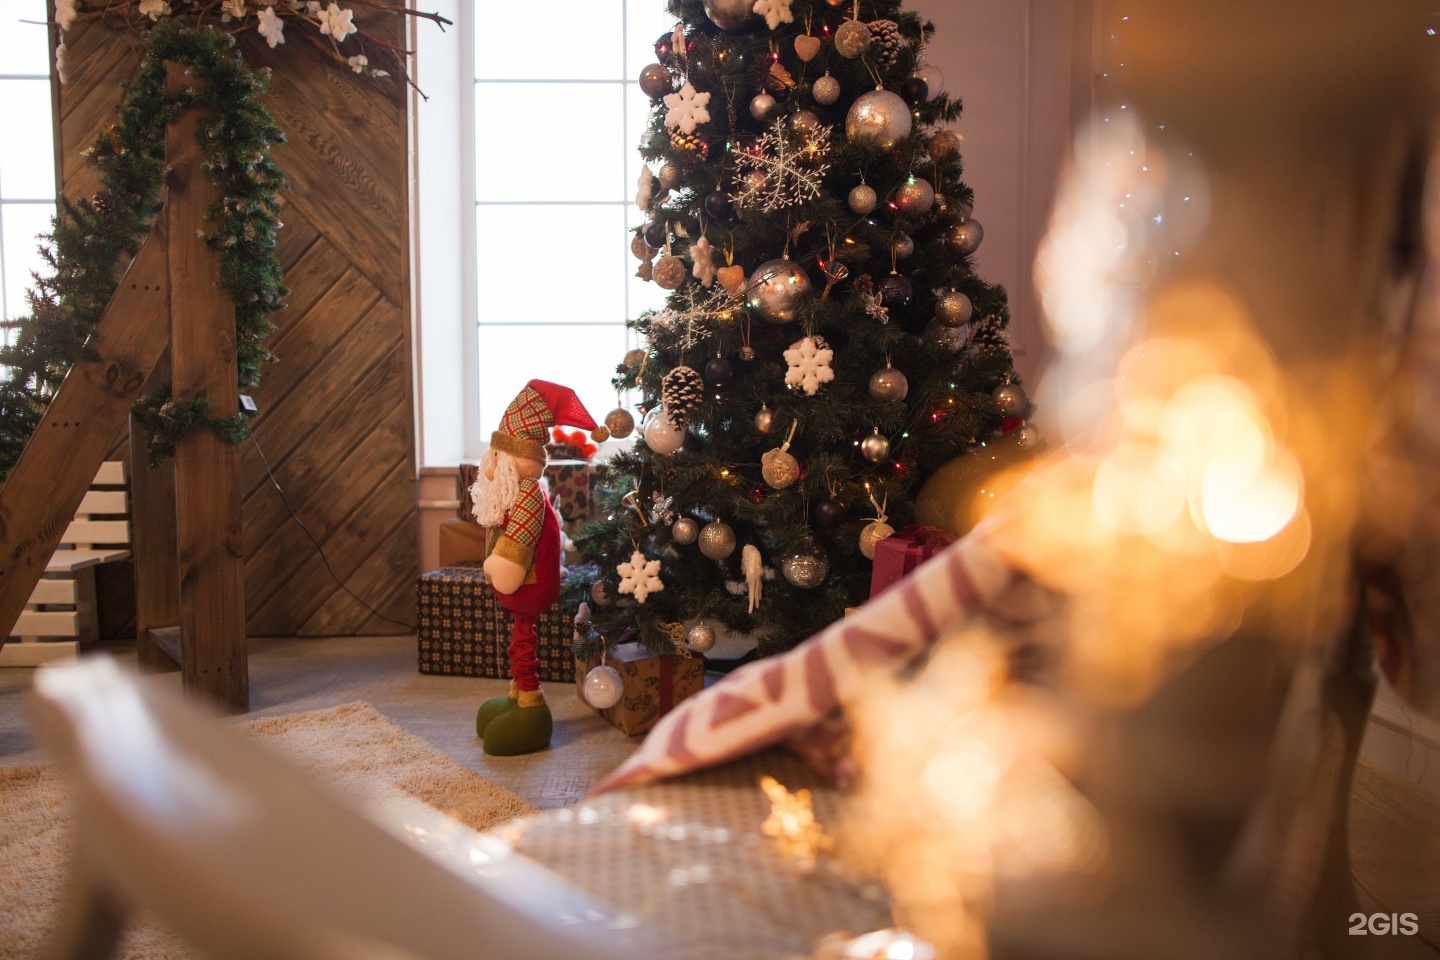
[464,632]
[654,683]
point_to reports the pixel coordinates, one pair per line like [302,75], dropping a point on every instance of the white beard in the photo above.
[494,498]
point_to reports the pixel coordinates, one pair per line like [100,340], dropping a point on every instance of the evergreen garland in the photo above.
[93,240]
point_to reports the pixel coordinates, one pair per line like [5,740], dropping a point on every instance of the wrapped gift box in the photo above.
[654,683]
[572,487]
[464,632]
[461,541]
[463,479]
[900,553]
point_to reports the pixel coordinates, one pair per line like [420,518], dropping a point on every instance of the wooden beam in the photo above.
[207,469]
[54,471]
[152,537]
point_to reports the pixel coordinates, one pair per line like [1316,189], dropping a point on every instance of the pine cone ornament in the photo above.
[988,334]
[681,391]
[885,42]
[689,143]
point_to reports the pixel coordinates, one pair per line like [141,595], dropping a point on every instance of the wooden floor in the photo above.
[1395,826]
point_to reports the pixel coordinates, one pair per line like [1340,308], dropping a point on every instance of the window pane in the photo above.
[581,151]
[637,124]
[27,160]
[645,21]
[582,358]
[552,264]
[24,47]
[23,222]
[573,40]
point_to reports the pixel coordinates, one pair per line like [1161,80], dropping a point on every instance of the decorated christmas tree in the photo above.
[826,345]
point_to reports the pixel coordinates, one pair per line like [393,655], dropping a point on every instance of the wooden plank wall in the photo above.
[336,421]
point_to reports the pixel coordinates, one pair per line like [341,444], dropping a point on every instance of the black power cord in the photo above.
[318,549]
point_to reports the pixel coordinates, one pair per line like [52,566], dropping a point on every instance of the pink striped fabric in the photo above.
[789,697]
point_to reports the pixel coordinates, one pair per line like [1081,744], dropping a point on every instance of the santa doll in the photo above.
[522,555]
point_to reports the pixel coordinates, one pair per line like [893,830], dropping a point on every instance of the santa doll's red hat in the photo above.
[538,407]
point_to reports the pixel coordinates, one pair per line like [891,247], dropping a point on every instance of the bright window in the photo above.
[27,158]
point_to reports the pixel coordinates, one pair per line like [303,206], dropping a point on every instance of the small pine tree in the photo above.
[810,220]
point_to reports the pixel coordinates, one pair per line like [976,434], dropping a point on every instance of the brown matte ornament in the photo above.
[888,384]
[1011,400]
[670,272]
[633,358]
[964,237]
[732,278]
[779,468]
[729,14]
[806,47]
[600,434]
[852,39]
[655,81]
[620,422]
[641,249]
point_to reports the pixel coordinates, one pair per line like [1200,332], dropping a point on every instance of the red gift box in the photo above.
[900,553]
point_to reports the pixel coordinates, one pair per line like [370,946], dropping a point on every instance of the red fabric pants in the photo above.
[524,661]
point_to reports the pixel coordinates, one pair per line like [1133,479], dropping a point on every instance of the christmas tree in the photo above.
[826,344]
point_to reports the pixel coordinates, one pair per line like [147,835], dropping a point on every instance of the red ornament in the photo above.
[1010,424]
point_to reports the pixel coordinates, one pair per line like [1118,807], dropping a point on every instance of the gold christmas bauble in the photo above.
[685,531]
[953,309]
[863,198]
[959,494]
[852,39]
[888,384]
[700,637]
[779,468]
[945,146]
[764,419]
[600,434]
[962,238]
[825,90]
[633,358]
[915,197]
[670,272]
[874,532]
[620,423]
[717,540]
[806,569]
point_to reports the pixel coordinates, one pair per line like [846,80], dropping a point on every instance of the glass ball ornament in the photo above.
[1010,400]
[874,532]
[661,434]
[875,447]
[603,687]
[902,247]
[804,122]
[829,512]
[655,81]
[670,273]
[964,237]
[729,14]
[852,39]
[762,107]
[765,419]
[888,384]
[620,423]
[717,540]
[947,338]
[717,204]
[1026,438]
[669,174]
[934,79]
[945,145]
[863,198]
[776,289]
[896,291]
[655,234]
[700,638]
[807,568]
[684,531]
[915,197]
[719,373]
[953,309]
[878,119]
[779,468]
[641,249]
[825,90]
[601,593]
[635,357]
[914,90]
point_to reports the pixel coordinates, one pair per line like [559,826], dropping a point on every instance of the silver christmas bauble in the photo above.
[620,423]
[874,532]
[775,290]
[852,39]
[878,119]
[661,434]
[888,384]
[729,14]
[603,687]
[1010,400]
[1026,438]
[915,197]
[804,122]
[700,637]
[962,238]
[953,309]
[950,338]
[806,569]
[779,468]
[762,107]
[863,198]
[875,447]
[902,247]
[717,540]
[684,531]
[764,419]
[825,90]
[934,80]
[669,174]
[670,272]
[600,592]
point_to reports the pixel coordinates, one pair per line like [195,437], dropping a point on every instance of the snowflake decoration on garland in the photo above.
[687,108]
[640,577]
[683,324]
[775,12]
[794,165]
[809,361]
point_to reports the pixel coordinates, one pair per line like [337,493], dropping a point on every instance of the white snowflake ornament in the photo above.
[704,256]
[775,12]
[337,22]
[687,108]
[640,577]
[809,361]
[154,9]
[271,27]
[644,188]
